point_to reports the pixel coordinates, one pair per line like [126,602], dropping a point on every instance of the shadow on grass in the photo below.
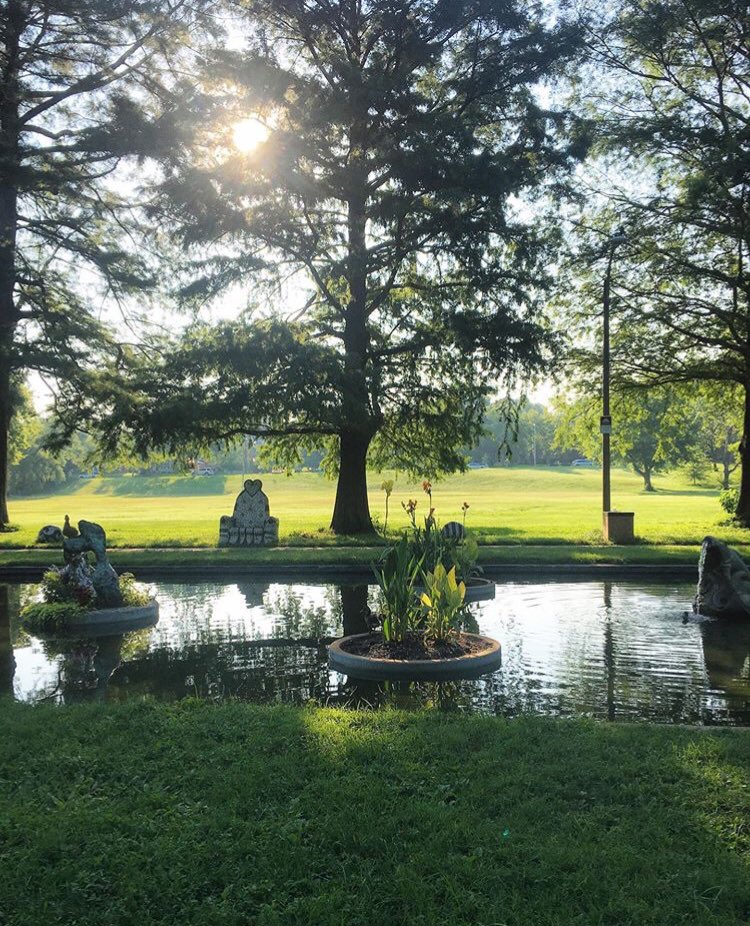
[204,814]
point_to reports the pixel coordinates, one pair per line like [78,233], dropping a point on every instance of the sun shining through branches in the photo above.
[248,134]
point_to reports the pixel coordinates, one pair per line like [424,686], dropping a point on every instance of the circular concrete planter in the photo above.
[117,620]
[479,590]
[415,670]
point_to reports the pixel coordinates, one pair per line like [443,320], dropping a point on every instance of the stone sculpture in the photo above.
[103,577]
[250,524]
[723,582]
[50,533]
[453,530]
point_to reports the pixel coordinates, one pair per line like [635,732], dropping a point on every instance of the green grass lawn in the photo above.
[204,815]
[520,505]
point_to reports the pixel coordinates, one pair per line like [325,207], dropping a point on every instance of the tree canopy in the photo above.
[76,79]
[396,139]
[670,113]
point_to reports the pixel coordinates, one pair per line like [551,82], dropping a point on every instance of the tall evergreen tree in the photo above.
[671,103]
[391,138]
[74,76]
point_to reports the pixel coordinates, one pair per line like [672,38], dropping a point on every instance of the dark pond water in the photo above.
[612,650]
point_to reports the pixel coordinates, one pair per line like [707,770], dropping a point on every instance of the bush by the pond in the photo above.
[56,586]
[64,601]
[134,595]
[50,616]
[206,815]
[728,500]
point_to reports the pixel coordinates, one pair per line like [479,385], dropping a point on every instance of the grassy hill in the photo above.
[520,505]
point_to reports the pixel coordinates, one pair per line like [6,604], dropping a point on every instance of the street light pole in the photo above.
[606,422]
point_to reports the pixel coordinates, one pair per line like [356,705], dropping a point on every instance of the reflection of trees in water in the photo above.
[726,651]
[295,618]
[618,664]
[229,668]
[7,659]
[218,664]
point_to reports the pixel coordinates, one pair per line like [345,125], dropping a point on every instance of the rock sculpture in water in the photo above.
[723,582]
[103,577]
[250,524]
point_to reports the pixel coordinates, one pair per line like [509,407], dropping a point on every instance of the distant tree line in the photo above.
[667,429]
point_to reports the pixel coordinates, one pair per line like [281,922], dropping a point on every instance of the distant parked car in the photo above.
[582,461]
[205,471]
[477,466]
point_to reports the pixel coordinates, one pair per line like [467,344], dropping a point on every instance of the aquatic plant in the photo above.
[442,603]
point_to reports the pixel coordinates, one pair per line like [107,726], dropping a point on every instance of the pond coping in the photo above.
[357,574]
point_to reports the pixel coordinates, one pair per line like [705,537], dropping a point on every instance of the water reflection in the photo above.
[612,650]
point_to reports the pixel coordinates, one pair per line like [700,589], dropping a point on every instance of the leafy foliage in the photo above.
[399,138]
[134,594]
[669,101]
[80,85]
[58,586]
[50,616]
[728,500]
[398,577]
[443,602]
[650,429]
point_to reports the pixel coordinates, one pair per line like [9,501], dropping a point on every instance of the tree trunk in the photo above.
[6,413]
[743,502]
[351,512]
[727,472]
[9,170]
[647,484]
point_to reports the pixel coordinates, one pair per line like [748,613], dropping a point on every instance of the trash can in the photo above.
[619,527]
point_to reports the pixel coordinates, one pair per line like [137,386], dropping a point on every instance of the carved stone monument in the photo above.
[250,524]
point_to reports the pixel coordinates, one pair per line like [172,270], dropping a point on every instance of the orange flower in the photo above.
[427,486]
[465,506]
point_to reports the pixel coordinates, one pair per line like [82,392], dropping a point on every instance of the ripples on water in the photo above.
[612,650]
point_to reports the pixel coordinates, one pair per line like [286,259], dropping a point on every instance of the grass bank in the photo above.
[232,814]
[281,558]
[531,506]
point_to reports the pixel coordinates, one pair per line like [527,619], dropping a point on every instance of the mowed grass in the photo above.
[519,505]
[223,815]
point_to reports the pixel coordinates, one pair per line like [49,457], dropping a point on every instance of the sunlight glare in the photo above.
[249,133]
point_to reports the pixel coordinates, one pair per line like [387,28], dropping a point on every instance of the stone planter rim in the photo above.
[367,667]
[478,588]
[128,617]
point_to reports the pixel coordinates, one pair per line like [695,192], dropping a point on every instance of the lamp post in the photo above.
[606,420]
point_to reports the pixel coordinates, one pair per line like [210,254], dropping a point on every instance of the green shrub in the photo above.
[56,586]
[728,500]
[133,594]
[50,616]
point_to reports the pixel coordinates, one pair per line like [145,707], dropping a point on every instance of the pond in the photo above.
[615,650]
